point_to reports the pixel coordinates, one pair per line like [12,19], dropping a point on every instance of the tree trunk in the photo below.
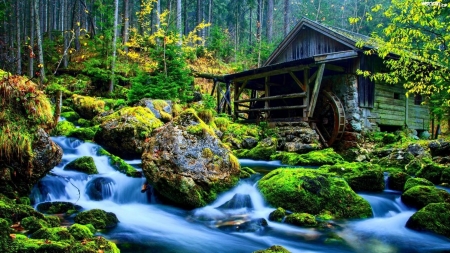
[58,106]
[185,17]
[258,21]
[158,12]
[18,38]
[31,49]
[199,17]
[269,20]
[286,17]
[126,25]
[179,24]
[113,63]
[39,43]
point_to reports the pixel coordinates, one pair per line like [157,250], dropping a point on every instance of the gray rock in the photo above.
[439,148]
[100,188]
[249,143]
[156,110]
[416,150]
[425,135]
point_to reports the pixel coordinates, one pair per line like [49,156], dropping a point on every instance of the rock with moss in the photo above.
[83,122]
[119,164]
[186,167]
[277,215]
[52,234]
[445,176]
[162,109]
[361,176]
[87,107]
[397,180]
[420,196]
[301,220]
[246,172]
[5,239]
[20,211]
[124,133]
[434,218]
[318,157]
[33,224]
[26,151]
[70,116]
[234,133]
[98,218]
[263,150]
[80,232]
[63,128]
[439,148]
[99,188]
[415,181]
[83,164]
[431,172]
[57,207]
[273,249]
[83,133]
[314,192]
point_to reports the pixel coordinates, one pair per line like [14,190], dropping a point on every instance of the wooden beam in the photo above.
[236,97]
[218,98]
[313,77]
[306,99]
[286,96]
[214,87]
[271,73]
[241,89]
[274,108]
[267,94]
[209,76]
[297,81]
[316,90]
[335,56]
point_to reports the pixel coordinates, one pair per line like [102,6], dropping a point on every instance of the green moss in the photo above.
[52,221]
[33,224]
[80,232]
[53,234]
[70,116]
[222,123]
[57,207]
[389,138]
[83,123]
[207,153]
[207,115]
[397,180]
[301,219]
[431,172]
[63,128]
[83,164]
[98,218]
[314,192]
[318,157]
[273,249]
[420,196]
[361,176]
[264,150]
[24,201]
[246,172]
[277,215]
[433,217]
[8,207]
[24,244]
[5,239]
[88,107]
[86,134]
[194,125]
[445,176]
[119,164]
[415,181]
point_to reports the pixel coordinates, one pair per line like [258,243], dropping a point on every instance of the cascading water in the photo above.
[235,222]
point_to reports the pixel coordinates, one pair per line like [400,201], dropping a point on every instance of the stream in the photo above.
[149,226]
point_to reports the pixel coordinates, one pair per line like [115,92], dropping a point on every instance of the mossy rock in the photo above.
[396,180]
[57,207]
[87,107]
[33,224]
[273,249]
[264,150]
[277,215]
[415,181]
[420,196]
[445,176]
[314,192]
[246,172]
[80,232]
[317,157]
[81,133]
[7,209]
[301,220]
[83,164]
[119,164]
[414,166]
[434,218]
[389,138]
[431,172]
[66,109]
[53,234]
[98,218]
[52,221]
[361,176]
[5,239]
[63,128]
[70,116]
[84,123]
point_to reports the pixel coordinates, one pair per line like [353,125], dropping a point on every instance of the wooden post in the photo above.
[267,94]
[214,86]
[306,99]
[315,93]
[406,110]
[237,93]
[228,98]
[218,97]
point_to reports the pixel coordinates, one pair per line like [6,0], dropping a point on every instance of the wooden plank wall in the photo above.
[390,111]
[309,43]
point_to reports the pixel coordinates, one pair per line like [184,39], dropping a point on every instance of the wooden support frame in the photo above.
[307,91]
[286,96]
[315,93]
[267,93]
[271,73]
[274,108]
[298,82]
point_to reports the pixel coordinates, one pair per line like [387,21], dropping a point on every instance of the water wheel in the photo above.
[329,116]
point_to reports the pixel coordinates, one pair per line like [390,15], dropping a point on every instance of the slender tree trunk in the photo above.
[269,20]
[66,23]
[31,53]
[179,24]
[50,10]
[113,63]
[286,17]
[158,12]
[210,16]
[126,25]
[199,16]
[185,17]
[39,42]
[18,37]
[58,106]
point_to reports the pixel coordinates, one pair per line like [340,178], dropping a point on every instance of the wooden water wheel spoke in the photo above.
[330,118]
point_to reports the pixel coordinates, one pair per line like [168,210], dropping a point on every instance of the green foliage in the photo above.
[318,157]
[220,43]
[80,232]
[63,128]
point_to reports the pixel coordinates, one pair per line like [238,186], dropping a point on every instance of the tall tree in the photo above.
[31,46]
[269,26]
[286,17]
[179,24]
[126,26]
[114,45]
[18,38]
[37,22]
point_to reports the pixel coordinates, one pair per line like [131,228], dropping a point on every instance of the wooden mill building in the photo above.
[311,77]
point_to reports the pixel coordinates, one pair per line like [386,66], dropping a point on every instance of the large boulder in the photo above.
[100,188]
[420,196]
[415,181]
[26,151]
[318,157]
[162,109]
[433,217]
[439,148]
[83,164]
[98,218]
[314,192]
[124,132]
[432,172]
[187,164]
[87,107]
